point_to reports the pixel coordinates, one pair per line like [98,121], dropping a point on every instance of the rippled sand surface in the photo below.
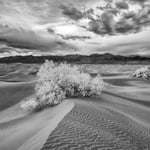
[116,120]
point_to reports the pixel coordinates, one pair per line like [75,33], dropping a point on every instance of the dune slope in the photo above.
[12,93]
[111,121]
[30,131]
[118,119]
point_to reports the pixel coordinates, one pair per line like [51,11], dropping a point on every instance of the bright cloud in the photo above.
[84,27]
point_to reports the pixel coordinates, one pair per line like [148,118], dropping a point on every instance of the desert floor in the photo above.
[118,119]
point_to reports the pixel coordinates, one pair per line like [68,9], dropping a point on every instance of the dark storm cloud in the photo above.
[129,14]
[105,24]
[127,26]
[51,31]
[76,14]
[108,21]
[114,11]
[97,27]
[143,18]
[132,22]
[29,40]
[72,12]
[74,37]
[129,23]
[109,8]
[109,1]
[102,25]
[28,48]
[89,13]
[138,1]
[122,5]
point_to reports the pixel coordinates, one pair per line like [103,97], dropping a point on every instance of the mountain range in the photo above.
[105,58]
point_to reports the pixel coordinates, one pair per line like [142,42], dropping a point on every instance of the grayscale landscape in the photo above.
[74,75]
[117,119]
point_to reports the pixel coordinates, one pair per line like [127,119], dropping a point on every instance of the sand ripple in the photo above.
[90,126]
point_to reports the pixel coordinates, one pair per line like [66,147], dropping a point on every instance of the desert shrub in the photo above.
[29,103]
[143,72]
[59,81]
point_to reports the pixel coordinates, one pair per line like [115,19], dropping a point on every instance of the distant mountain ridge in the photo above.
[106,58]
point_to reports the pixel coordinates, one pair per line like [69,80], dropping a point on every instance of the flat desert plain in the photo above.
[118,119]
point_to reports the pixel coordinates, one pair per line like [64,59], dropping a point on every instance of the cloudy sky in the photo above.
[60,27]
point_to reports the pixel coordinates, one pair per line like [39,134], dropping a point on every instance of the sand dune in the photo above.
[18,72]
[118,119]
[12,93]
[30,131]
[111,121]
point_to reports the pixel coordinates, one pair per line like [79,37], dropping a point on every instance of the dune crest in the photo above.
[31,131]
[114,120]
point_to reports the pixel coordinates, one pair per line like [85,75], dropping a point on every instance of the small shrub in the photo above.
[59,81]
[29,103]
[143,72]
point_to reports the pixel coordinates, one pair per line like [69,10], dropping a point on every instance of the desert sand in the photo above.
[30,130]
[118,119]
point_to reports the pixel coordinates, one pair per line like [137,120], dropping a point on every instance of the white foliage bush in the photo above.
[59,81]
[29,103]
[143,72]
